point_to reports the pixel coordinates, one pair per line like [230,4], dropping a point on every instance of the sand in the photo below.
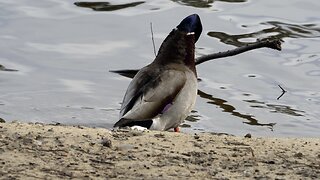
[40,151]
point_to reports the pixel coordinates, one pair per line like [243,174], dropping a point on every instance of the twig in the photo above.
[154,46]
[283,92]
[282,89]
[267,43]
[273,44]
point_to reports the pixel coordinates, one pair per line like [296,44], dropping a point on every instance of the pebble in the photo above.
[124,147]
[106,142]
[37,142]
[246,173]
[298,155]
[159,135]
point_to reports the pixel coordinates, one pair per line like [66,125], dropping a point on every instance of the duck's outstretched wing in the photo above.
[149,95]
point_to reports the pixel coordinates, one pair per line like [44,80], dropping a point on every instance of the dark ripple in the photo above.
[195,3]
[193,117]
[313,73]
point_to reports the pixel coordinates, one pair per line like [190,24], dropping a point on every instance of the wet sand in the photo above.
[39,151]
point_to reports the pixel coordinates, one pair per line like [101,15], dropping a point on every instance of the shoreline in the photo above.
[42,151]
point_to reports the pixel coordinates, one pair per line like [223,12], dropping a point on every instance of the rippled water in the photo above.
[63,51]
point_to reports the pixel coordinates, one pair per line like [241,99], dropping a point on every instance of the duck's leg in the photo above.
[176,129]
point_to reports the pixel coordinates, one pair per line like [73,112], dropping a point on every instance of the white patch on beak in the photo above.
[190,33]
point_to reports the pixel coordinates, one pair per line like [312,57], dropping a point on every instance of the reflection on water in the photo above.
[276,108]
[195,3]
[313,73]
[232,110]
[106,6]
[203,3]
[279,30]
[233,1]
[294,30]
[3,68]
[80,86]
[83,49]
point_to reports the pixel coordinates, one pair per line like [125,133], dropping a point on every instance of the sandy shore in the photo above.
[38,151]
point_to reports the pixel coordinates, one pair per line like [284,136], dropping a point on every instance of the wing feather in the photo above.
[148,94]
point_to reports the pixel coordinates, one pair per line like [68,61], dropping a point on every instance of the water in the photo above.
[63,53]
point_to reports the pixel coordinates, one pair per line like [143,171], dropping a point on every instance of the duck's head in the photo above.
[179,45]
[191,25]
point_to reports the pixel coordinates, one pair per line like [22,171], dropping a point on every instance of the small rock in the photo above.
[39,123]
[248,135]
[136,133]
[270,162]
[199,145]
[57,124]
[234,155]
[86,136]
[38,137]
[32,164]
[80,127]
[159,135]
[27,141]
[246,173]
[2,120]
[106,142]
[298,155]
[124,147]
[37,142]
[196,136]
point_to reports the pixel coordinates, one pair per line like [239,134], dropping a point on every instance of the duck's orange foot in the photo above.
[176,129]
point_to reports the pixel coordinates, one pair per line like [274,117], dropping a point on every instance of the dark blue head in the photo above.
[191,24]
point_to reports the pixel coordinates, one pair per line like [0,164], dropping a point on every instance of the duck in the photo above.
[162,94]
